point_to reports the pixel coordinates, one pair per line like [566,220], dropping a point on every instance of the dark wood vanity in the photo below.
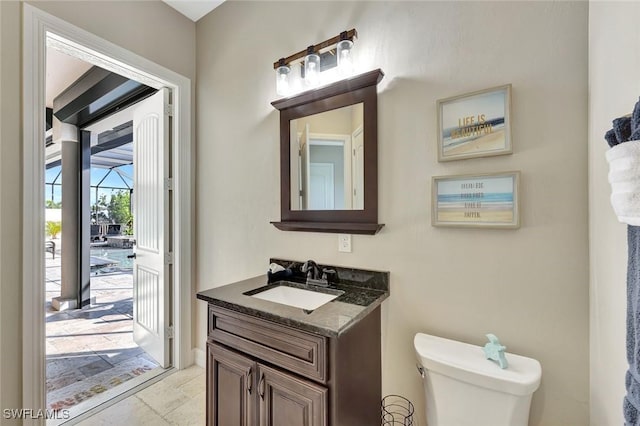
[270,364]
[263,373]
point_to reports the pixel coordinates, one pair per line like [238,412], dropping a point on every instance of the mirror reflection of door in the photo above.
[327,170]
[303,166]
[358,169]
[321,170]
[321,186]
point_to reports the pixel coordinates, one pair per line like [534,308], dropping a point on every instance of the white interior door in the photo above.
[296,167]
[151,213]
[348,174]
[321,186]
[357,169]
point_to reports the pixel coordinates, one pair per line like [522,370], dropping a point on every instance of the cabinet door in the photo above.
[286,400]
[230,388]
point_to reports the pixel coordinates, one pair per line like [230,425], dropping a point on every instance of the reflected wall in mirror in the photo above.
[327,160]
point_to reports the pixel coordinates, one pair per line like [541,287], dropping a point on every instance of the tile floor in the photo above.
[91,350]
[178,399]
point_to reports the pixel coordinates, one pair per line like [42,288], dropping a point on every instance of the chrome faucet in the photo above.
[310,268]
[315,275]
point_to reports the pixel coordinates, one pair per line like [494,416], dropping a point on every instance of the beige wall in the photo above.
[150,29]
[10,223]
[336,122]
[614,86]
[529,286]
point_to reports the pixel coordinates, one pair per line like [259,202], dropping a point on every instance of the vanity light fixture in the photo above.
[305,69]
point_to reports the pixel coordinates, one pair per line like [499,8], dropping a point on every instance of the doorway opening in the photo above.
[90,320]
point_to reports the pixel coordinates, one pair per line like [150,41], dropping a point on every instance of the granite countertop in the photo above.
[330,319]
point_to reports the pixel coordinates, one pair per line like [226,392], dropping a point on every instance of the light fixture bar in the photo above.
[351,34]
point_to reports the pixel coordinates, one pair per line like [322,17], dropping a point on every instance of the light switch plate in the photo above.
[344,243]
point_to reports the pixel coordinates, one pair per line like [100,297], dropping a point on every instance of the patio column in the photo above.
[67,136]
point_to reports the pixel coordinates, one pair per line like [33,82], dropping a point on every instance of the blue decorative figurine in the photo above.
[495,351]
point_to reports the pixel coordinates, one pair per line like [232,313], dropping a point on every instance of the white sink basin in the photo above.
[296,297]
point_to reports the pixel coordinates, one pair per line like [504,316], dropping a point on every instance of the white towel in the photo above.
[274,267]
[624,177]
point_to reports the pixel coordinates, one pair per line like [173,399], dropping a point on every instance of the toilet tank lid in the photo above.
[467,363]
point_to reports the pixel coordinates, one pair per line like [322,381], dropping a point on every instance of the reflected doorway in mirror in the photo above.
[327,160]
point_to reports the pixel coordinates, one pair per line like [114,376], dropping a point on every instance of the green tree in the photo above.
[120,211]
[50,204]
[99,209]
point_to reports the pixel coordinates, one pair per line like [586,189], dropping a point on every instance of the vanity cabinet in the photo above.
[287,400]
[245,392]
[230,396]
[260,372]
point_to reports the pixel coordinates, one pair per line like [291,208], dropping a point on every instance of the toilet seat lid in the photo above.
[467,363]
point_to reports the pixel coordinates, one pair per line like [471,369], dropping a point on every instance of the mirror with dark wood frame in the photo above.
[337,192]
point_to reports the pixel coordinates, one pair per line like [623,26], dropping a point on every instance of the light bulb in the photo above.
[295,79]
[345,60]
[282,79]
[311,67]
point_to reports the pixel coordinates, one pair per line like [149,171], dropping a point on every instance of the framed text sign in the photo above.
[477,124]
[484,200]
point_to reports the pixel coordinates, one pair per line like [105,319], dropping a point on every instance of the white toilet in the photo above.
[463,388]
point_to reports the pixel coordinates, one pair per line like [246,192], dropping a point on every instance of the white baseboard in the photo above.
[200,357]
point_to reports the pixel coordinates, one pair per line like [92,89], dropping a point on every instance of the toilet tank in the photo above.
[463,388]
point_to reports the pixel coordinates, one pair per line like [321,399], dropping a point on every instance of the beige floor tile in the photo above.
[130,411]
[162,397]
[72,346]
[183,376]
[191,413]
[194,387]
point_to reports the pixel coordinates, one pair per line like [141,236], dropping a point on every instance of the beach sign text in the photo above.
[472,126]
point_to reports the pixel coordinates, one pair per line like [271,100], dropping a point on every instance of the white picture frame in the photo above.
[475,124]
[484,200]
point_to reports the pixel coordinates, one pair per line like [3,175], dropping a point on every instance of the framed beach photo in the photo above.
[488,200]
[476,124]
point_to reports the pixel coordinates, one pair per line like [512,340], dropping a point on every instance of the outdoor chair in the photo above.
[114,229]
[96,235]
[50,246]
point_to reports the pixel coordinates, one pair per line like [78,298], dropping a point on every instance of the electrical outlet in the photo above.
[344,243]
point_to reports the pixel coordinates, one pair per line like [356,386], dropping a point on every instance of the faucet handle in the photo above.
[329,274]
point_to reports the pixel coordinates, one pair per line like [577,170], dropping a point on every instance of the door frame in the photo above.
[344,140]
[37,27]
